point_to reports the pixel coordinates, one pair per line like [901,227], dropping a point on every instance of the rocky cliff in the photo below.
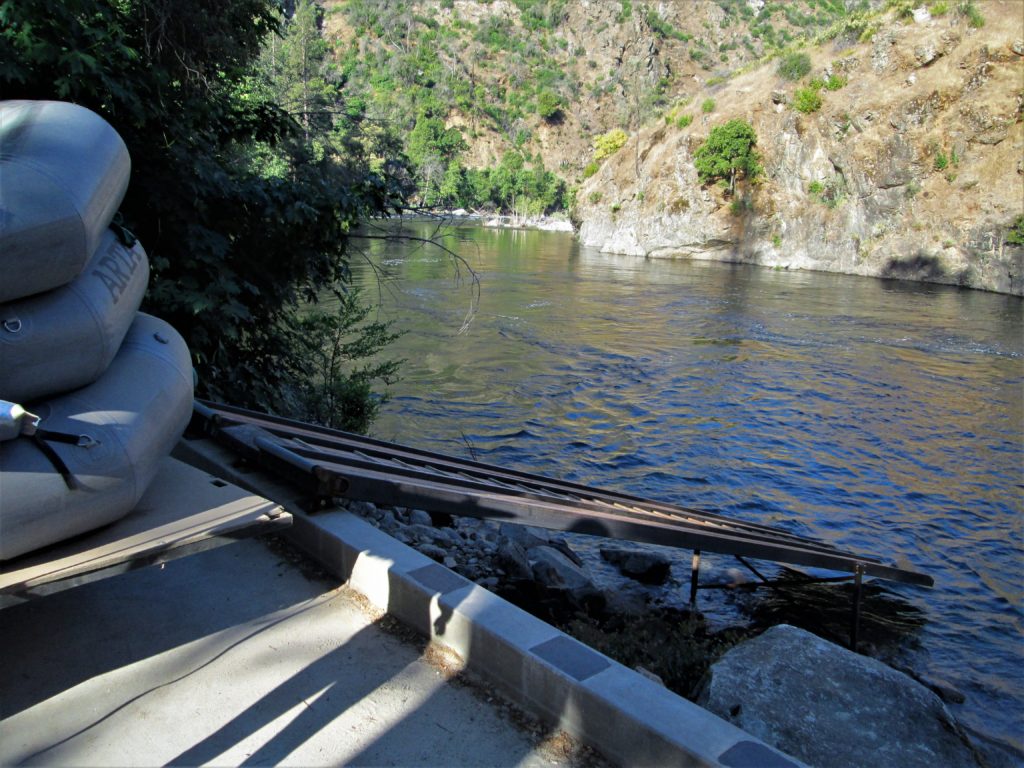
[911,168]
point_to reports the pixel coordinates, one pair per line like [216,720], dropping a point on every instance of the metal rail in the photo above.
[331,463]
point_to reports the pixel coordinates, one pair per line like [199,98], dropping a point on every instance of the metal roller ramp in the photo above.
[329,463]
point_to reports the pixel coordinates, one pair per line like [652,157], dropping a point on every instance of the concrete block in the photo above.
[492,635]
[651,724]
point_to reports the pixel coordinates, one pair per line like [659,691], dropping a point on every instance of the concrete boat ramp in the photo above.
[359,651]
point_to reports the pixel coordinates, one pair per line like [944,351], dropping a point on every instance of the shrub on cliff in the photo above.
[1016,234]
[608,144]
[729,153]
[549,106]
[807,100]
[794,65]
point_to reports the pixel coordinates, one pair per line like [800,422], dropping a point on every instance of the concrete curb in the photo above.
[626,717]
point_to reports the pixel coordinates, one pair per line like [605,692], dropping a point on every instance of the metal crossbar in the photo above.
[331,463]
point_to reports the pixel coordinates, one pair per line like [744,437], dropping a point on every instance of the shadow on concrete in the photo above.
[424,625]
[316,685]
[73,636]
[215,603]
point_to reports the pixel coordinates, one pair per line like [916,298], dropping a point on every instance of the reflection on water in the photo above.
[885,417]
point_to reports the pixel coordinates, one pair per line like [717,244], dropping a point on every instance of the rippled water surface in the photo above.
[882,416]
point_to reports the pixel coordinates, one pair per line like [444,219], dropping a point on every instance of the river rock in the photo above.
[440,536]
[433,552]
[525,536]
[362,508]
[512,558]
[640,564]
[420,517]
[830,707]
[554,570]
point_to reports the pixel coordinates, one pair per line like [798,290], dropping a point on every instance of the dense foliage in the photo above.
[413,72]
[245,217]
[728,153]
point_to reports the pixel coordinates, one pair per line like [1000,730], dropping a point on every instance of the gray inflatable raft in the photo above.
[128,421]
[65,171]
[65,338]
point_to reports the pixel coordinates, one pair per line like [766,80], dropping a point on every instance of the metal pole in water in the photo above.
[858,576]
[694,573]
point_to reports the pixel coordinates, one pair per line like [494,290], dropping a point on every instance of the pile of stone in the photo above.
[532,560]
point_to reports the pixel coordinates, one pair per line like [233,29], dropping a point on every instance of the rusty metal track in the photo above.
[330,463]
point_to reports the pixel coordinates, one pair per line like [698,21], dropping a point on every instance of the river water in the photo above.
[882,416]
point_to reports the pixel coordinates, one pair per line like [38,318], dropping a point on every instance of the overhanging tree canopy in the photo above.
[234,251]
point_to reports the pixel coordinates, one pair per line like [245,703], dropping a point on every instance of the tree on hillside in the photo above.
[236,252]
[297,68]
[728,153]
[433,148]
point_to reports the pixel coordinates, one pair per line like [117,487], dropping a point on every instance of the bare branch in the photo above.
[435,240]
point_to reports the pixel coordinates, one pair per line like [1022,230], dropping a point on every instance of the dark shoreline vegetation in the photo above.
[250,175]
[252,170]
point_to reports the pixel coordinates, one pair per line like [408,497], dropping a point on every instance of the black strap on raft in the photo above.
[124,235]
[43,437]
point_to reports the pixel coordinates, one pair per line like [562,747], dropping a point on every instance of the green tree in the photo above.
[296,66]
[235,252]
[728,153]
[549,106]
[432,147]
[453,191]
[335,387]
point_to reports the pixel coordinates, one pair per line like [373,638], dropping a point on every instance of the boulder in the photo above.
[830,707]
[554,570]
[525,536]
[512,557]
[643,565]
[419,517]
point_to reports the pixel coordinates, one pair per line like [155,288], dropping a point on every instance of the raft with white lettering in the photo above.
[96,449]
[65,172]
[65,338]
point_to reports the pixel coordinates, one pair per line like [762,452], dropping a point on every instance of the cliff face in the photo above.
[913,169]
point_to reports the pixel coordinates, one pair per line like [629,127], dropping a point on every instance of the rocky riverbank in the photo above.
[620,610]
[556,222]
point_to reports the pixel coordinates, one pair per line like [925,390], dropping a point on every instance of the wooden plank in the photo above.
[184,510]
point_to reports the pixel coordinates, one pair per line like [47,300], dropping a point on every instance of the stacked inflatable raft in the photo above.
[93,393]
